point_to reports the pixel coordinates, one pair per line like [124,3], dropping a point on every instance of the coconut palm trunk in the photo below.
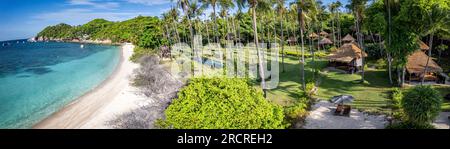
[428,59]
[300,20]
[282,41]
[260,56]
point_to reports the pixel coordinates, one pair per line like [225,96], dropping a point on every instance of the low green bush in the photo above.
[222,103]
[140,52]
[310,86]
[421,104]
[397,96]
[307,54]
[297,110]
[381,64]
[410,125]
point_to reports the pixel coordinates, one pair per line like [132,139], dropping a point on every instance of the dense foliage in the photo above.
[58,31]
[421,104]
[410,125]
[222,103]
[143,31]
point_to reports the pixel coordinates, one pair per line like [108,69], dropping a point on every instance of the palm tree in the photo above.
[438,20]
[280,9]
[338,5]
[358,7]
[173,13]
[302,6]
[213,4]
[185,6]
[239,15]
[225,5]
[260,4]
[195,11]
[332,8]
[389,4]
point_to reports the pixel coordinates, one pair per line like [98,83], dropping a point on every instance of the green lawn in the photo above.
[290,85]
[444,90]
[372,95]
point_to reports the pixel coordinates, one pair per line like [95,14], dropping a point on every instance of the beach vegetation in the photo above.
[222,103]
[421,104]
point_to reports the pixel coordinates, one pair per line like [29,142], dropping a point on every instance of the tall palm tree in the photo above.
[438,20]
[173,13]
[239,15]
[338,5]
[389,5]
[185,6]
[213,4]
[358,7]
[332,8]
[195,11]
[281,9]
[302,6]
[225,5]
[261,5]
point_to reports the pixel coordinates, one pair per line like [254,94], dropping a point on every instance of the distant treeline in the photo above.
[142,31]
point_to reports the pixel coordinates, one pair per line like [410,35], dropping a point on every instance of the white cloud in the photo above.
[149,2]
[95,4]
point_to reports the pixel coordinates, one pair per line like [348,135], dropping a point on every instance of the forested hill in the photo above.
[142,31]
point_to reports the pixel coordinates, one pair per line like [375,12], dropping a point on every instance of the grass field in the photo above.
[372,95]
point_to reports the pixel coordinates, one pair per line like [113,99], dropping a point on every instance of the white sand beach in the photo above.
[91,111]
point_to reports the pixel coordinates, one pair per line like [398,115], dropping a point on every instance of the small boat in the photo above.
[82,46]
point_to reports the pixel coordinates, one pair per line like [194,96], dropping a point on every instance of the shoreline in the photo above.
[86,107]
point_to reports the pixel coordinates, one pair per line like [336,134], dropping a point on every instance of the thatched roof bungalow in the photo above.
[325,41]
[323,33]
[349,56]
[313,35]
[417,62]
[348,38]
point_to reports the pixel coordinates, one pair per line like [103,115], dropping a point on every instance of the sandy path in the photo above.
[114,95]
[321,117]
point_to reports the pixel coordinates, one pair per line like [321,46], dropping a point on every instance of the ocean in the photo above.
[39,78]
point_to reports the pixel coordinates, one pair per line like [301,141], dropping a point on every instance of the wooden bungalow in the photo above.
[348,57]
[417,62]
[313,36]
[325,41]
[292,41]
[348,39]
[323,34]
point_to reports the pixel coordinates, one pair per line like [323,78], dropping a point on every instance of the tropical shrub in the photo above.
[410,125]
[310,86]
[140,52]
[381,64]
[421,104]
[222,103]
[298,110]
[307,54]
[397,96]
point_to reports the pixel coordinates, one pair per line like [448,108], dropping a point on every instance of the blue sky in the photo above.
[23,19]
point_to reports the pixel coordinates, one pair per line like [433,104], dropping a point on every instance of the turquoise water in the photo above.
[38,79]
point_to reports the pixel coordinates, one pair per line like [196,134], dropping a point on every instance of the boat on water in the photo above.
[82,46]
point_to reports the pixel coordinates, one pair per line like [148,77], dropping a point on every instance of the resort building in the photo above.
[323,34]
[417,62]
[348,57]
[348,39]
